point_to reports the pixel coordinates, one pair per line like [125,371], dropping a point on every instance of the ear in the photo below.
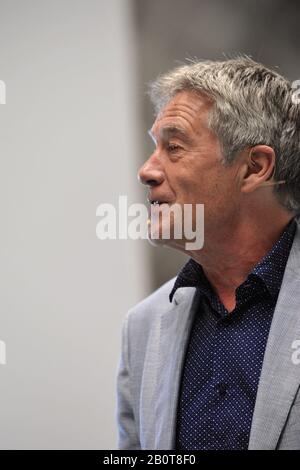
[259,167]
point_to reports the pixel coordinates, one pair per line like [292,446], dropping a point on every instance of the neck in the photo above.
[231,252]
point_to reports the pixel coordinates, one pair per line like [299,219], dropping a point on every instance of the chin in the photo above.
[155,239]
[155,236]
[156,242]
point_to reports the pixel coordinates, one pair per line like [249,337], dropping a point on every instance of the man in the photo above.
[210,360]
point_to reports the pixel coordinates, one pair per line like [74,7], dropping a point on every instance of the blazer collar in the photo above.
[280,377]
[175,326]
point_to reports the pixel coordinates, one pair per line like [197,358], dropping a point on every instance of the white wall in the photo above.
[68,141]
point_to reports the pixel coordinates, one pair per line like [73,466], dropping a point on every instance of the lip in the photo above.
[156,201]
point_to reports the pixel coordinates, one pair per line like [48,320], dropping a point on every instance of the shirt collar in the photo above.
[270,268]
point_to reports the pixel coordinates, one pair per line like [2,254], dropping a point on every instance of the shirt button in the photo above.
[222,388]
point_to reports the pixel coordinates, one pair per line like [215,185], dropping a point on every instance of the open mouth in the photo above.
[156,202]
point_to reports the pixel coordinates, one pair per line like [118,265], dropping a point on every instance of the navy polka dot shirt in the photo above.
[225,352]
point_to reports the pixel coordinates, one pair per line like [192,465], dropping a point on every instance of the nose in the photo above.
[151,173]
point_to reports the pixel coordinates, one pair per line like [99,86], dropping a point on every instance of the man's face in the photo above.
[186,167]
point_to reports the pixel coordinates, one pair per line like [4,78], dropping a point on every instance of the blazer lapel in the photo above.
[280,377]
[174,332]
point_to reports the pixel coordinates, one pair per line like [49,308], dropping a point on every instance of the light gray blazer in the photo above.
[154,339]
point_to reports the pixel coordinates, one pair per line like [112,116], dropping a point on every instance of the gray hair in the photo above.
[251,105]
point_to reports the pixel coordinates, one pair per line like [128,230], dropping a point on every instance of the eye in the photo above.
[173,147]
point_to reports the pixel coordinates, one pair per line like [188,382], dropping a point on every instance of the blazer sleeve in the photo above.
[127,428]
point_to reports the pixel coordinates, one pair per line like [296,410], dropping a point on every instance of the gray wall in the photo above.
[68,141]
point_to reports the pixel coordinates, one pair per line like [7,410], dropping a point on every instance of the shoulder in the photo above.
[146,311]
[142,323]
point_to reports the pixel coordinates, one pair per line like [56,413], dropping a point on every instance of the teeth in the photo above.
[155,203]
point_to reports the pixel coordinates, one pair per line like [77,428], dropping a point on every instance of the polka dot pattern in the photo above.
[225,354]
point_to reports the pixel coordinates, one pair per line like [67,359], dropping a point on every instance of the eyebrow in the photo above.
[170,131]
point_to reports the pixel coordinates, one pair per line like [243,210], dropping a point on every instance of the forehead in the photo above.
[187,111]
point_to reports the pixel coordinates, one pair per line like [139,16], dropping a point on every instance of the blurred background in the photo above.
[73,133]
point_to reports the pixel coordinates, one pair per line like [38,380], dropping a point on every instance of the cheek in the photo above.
[208,184]
[213,190]
[201,187]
